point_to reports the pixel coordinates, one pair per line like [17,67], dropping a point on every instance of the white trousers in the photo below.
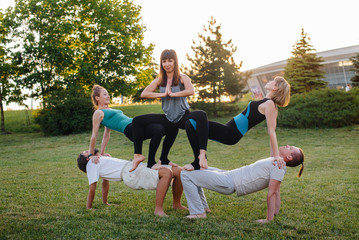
[212,178]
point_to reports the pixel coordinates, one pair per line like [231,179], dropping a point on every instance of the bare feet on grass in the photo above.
[159,212]
[138,158]
[207,210]
[179,207]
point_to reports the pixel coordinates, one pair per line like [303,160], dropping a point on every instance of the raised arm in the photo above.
[149,91]
[189,88]
[273,201]
[91,195]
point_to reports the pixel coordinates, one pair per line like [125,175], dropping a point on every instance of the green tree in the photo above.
[213,69]
[303,68]
[9,90]
[355,68]
[81,42]
[111,48]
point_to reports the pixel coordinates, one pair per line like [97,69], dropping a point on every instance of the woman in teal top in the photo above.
[115,119]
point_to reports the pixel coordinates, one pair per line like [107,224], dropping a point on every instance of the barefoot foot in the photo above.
[159,212]
[136,161]
[188,167]
[179,207]
[207,210]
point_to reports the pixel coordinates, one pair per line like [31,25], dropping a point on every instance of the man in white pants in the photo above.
[244,180]
[113,169]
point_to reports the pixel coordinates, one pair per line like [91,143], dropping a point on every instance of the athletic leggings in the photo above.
[155,132]
[200,117]
[227,134]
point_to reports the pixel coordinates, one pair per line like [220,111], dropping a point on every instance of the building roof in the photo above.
[329,56]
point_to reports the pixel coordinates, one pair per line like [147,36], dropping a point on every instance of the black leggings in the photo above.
[227,134]
[171,131]
[155,132]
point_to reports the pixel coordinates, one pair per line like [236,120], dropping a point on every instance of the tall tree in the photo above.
[355,68]
[82,42]
[9,90]
[213,69]
[303,68]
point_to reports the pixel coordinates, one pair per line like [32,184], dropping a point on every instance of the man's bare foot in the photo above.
[136,161]
[188,167]
[159,212]
[203,161]
[207,210]
[179,207]
[196,216]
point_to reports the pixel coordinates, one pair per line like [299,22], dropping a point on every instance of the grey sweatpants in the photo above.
[212,178]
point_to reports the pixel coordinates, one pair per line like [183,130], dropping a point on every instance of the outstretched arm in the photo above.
[91,195]
[273,201]
[96,121]
[271,113]
[105,139]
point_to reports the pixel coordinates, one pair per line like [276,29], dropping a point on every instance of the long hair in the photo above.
[298,158]
[96,91]
[282,95]
[169,54]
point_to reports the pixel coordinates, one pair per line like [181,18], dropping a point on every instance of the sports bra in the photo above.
[250,116]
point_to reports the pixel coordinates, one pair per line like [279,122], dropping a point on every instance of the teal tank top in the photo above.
[115,119]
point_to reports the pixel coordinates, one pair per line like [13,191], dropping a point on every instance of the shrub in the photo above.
[320,109]
[65,112]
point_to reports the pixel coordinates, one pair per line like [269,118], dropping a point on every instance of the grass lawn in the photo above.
[43,193]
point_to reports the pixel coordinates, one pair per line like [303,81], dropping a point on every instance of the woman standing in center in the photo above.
[174,88]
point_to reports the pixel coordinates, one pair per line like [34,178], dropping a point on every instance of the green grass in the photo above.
[43,194]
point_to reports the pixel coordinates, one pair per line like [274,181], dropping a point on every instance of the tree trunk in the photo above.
[2,114]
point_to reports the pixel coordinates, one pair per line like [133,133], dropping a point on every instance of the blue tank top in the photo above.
[174,108]
[115,119]
[250,116]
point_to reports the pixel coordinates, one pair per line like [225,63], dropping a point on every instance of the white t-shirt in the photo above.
[108,168]
[114,169]
[255,177]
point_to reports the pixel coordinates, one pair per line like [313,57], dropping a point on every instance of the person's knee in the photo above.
[176,172]
[165,173]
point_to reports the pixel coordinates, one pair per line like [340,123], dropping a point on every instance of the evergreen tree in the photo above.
[303,68]
[355,68]
[212,69]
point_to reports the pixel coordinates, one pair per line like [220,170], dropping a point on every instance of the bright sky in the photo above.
[264,31]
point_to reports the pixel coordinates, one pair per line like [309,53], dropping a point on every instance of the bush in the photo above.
[321,109]
[65,112]
[223,109]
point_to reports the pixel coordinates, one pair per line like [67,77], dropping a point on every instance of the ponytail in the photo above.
[300,170]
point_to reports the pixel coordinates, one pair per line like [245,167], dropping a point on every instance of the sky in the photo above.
[263,31]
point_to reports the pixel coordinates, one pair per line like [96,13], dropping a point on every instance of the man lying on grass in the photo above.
[113,169]
[244,180]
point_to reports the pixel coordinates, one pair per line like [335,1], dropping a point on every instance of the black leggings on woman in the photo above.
[227,134]
[200,117]
[155,132]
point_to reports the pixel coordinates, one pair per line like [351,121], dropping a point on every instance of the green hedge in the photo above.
[321,109]
[223,109]
[65,112]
